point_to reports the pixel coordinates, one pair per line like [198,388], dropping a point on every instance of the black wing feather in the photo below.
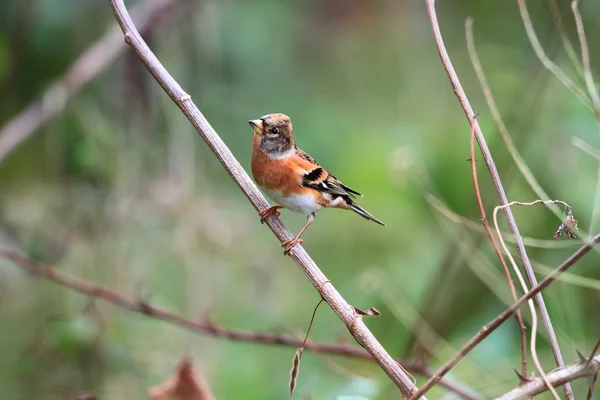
[328,185]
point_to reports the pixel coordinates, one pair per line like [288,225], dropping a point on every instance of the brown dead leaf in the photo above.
[185,384]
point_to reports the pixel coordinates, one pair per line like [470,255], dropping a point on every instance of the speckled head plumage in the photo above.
[276,134]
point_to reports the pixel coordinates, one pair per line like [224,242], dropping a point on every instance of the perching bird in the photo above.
[292,178]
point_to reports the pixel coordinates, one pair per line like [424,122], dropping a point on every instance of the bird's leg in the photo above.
[268,211]
[296,240]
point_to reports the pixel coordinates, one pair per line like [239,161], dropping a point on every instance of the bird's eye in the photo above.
[274,131]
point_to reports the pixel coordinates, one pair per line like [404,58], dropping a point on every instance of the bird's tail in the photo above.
[363,213]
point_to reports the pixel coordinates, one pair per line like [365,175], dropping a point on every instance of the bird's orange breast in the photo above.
[284,175]
[274,174]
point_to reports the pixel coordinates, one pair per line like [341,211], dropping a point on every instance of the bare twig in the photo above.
[486,226]
[489,161]
[204,327]
[496,322]
[351,319]
[87,66]
[558,377]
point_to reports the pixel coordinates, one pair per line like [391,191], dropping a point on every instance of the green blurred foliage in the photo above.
[119,190]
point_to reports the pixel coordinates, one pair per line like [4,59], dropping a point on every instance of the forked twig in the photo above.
[345,312]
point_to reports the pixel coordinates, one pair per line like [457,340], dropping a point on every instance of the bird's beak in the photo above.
[257,126]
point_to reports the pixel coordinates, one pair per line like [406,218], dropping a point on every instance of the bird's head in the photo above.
[276,134]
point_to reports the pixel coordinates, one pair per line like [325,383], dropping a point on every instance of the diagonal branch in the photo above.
[207,327]
[86,67]
[345,311]
[489,161]
[556,378]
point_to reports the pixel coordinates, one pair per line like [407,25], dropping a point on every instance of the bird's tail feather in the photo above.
[364,213]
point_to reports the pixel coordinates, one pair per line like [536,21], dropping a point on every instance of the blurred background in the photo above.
[105,179]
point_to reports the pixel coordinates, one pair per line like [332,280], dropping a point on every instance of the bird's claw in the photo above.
[268,211]
[289,245]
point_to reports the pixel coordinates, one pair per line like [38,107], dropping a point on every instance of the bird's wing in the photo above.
[316,177]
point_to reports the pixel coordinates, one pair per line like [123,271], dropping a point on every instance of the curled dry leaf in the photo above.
[294,371]
[185,384]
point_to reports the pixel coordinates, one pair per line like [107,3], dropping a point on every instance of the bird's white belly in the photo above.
[302,203]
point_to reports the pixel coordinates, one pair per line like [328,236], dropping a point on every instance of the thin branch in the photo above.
[205,327]
[345,312]
[556,378]
[500,319]
[85,68]
[489,161]
[486,226]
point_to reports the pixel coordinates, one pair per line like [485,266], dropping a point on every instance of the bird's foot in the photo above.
[268,211]
[289,245]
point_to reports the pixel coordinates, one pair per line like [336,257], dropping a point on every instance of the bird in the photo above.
[292,178]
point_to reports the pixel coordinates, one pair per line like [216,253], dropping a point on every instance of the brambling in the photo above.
[292,178]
